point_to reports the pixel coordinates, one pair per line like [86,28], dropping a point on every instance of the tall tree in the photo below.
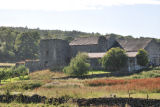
[26,45]
[142,57]
[114,59]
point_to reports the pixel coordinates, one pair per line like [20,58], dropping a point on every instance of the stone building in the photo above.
[133,45]
[91,44]
[57,53]
[54,53]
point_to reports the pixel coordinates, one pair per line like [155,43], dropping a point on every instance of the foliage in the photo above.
[114,59]
[147,74]
[19,71]
[15,44]
[142,57]
[97,72]
[136,85]
[25,85]
[31,86]
[78,65]
[2,75]
[103,82]
[26,45]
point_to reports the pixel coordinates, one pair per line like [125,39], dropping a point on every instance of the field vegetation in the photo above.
[56,84]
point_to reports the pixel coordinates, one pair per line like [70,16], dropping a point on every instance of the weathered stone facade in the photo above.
[56,53]
[153,49]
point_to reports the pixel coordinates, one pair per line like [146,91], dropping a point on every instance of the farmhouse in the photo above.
[133,45]
[56,53]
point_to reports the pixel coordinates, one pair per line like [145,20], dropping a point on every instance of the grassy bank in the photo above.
[57,84]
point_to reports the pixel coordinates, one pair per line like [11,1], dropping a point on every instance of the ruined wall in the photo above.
[95,64]
[111,42]
[102,46]
[132,65]
[33,65]
[54,53]
[84,48]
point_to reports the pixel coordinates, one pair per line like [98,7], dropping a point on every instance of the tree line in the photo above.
[18,43]
[21,43]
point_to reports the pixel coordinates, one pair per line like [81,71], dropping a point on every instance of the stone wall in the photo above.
[102,46]
[111,42]
[54,53]
[95,64]
[132,65]
[33,65]
[84,48]
[153,50]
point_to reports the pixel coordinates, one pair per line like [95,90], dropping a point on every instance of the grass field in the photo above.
[56,84]
[15,79]
[97,72]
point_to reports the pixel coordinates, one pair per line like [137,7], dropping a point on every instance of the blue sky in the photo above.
[125,17]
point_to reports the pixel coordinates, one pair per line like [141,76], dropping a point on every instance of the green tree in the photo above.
[114,59]
[26,45]
[7,40]
[78,66]
[142,57]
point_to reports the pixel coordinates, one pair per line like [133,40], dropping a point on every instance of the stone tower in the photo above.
[54,53]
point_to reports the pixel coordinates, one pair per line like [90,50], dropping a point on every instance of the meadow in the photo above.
[47,83]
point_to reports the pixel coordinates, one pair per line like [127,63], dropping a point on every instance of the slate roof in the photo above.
[133,45]
[87,40]
[84,40]
[101,54]
[96,55]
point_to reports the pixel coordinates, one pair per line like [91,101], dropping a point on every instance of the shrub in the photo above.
[114,59]
[104,82]
[2,75]
[31,86]
[142,57]
[20,71]
[78,65]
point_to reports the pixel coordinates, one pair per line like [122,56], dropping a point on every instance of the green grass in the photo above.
[21,86]
[14,104]
[146,74]
[5,69]
[45,83]
[15,79]
[97,72]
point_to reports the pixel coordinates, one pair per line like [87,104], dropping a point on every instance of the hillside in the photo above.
[21,43]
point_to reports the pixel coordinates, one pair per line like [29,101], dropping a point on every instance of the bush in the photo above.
[20,71]
[142,57]
[2,75]
[31,86]
[78,65]
[19,86]
[114,59]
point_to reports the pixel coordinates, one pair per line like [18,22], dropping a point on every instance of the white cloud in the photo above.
[65,5]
